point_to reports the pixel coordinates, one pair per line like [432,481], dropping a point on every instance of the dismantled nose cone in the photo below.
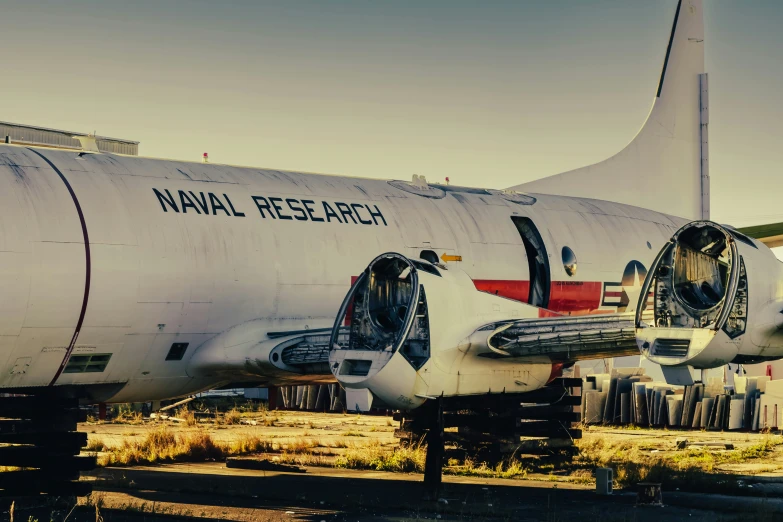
[700,301]
[386,315]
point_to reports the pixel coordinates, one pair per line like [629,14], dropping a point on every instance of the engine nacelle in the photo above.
[718,297]
[413,335]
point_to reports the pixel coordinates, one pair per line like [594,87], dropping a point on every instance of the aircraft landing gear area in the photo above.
[39,447]
[492,428]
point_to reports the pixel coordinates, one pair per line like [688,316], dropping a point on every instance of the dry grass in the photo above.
[632,463]
[301,446]
[232,416]
[249,444]
[269,420]
[187,416]
[125,415]
[305,459]
[95,445]
[374,456]
[163,445]
[507,468]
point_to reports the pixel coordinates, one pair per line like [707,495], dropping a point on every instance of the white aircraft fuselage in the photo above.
[135,264]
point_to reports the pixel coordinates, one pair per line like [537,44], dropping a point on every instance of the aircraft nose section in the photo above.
[695,281]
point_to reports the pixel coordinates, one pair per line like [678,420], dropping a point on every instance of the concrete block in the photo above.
[359,400]
[674,405]
[603,481]
[736,413]
[595,402]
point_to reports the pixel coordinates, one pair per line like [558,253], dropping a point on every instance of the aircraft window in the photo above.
[569,261]
[649,245]
[92,363]
[177,351]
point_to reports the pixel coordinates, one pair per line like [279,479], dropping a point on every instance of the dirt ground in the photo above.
[332,434]
[211,491]
[665,442]
[283,426]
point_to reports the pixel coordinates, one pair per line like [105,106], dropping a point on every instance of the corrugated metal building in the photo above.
[43,137]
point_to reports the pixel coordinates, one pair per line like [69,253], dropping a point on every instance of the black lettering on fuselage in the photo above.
[307,203]
[163,200]
[291,201]
[375,214]
[265,206]
[303,210]
[358,216]
[185,202]
[278,208]
[217,205]
[345,210]
[231,205]
[330,212]
[202,202]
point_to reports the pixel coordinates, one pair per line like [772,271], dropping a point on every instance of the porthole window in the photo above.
[569,261]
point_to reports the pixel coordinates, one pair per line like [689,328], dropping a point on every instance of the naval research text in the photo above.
[271,207]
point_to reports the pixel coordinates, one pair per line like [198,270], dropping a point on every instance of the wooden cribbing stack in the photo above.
[38,434]
[493,424]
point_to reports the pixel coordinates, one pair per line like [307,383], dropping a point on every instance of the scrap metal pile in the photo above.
[629,397]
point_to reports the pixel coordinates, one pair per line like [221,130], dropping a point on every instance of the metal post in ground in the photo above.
[433,462]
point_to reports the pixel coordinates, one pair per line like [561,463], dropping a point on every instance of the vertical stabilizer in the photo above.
[663,167]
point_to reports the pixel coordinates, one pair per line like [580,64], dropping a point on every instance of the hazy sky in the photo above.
[488,93]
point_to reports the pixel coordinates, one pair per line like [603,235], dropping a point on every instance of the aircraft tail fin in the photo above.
[665,166]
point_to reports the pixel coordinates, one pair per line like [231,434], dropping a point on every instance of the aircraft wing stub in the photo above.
[566,339]
[770,234]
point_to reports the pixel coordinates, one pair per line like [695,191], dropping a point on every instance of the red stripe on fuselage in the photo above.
[349,310]
[575,296]
[565,297]
[516,290]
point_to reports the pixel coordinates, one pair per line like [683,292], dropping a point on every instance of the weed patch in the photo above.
[162,445]
[374,456]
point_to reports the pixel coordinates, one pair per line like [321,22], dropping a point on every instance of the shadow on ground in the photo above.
[213,491]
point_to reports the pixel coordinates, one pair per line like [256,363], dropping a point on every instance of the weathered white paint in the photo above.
[162,277]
